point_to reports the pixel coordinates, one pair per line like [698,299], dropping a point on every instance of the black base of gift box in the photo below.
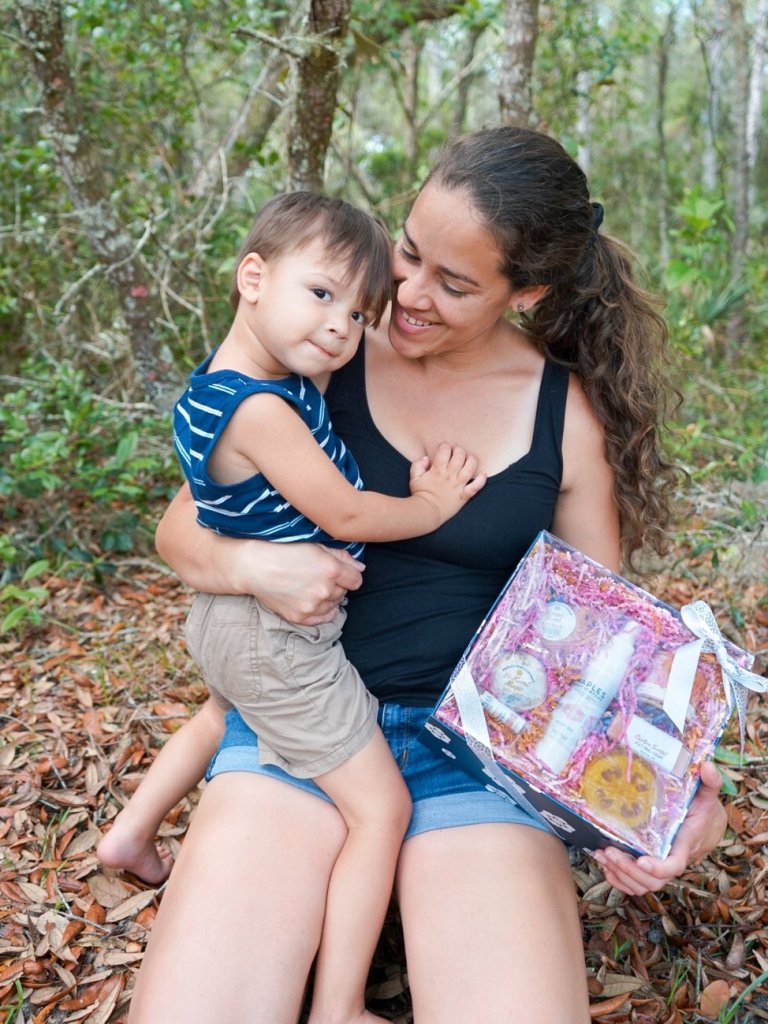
[570,827]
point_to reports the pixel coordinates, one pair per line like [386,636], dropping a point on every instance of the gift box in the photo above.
[590,702]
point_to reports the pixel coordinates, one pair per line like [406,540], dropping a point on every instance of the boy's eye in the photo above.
[361,318]
[322,293]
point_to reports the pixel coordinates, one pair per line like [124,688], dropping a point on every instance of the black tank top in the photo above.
[422,599]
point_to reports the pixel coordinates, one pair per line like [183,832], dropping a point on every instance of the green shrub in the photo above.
[81,478]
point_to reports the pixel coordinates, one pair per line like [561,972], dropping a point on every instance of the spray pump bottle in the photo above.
[578,712]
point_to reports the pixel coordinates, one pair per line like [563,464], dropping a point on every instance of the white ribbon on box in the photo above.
[698,617]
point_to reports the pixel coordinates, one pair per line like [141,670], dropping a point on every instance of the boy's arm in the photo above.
[271,435]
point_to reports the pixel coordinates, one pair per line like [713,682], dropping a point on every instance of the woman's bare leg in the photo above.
[369,791]
[241,918]
[490,917]
[177,769]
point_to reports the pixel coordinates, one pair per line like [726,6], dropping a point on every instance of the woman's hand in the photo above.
[304,583]
[702,830]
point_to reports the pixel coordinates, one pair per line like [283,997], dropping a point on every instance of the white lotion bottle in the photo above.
[578,712]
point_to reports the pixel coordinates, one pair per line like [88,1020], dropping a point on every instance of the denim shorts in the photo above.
[443,795]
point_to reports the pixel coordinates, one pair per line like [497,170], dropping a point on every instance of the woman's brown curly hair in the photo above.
[594,318]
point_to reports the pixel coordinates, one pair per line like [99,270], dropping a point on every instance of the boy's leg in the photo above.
[369,791]
[177,769]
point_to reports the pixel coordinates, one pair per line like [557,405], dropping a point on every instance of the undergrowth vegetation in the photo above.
[82,479]
[722,442]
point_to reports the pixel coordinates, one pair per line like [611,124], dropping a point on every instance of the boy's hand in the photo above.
[447,481]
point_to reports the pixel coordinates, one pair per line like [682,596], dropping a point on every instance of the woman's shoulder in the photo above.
[586,515]
[581,420]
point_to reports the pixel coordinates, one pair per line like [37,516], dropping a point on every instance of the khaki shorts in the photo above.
[293,685]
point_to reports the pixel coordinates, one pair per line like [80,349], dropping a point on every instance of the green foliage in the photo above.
[80,480]
[698,279]
[678,977]
[724,416]
[724,420]
[21,605]
[14,1010]
[155,86]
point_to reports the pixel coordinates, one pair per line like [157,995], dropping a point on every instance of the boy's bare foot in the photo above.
[120,848]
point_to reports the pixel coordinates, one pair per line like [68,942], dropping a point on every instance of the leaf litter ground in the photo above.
[88,699]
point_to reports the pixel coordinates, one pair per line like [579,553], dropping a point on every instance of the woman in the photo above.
[503,225]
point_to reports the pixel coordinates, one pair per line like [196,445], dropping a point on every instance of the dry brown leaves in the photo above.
[87,701]
[85,705]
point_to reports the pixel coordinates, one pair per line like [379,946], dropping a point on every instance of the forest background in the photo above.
[139,138]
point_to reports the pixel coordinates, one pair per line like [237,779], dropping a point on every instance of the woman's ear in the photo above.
[249,276]
[523,301]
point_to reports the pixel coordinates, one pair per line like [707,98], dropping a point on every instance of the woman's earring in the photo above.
[521,307]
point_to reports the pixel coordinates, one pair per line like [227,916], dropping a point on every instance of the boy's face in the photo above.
[305,319]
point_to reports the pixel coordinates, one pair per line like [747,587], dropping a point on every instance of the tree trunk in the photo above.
[711,42]
[584,120]
[81,167]
[411,60]
[317,83]
[520,31]
[755,100]
[740,164]
[666,41]
[462,92]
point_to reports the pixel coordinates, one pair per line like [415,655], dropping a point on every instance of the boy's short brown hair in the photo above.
[289,222]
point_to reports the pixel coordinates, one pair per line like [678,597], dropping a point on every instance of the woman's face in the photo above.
[450,293]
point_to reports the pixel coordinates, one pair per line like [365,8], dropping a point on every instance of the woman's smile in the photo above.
[412,320]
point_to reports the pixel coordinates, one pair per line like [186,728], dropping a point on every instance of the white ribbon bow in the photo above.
[699,619]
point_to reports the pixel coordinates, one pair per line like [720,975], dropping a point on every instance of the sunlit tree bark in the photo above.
[666,41]
[316,88]
[739,163]
[711,41]
[739,155]
[756,88]
[520,31]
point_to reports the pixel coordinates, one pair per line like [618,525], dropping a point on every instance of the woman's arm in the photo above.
[303,583]
[586,515]
[587,518]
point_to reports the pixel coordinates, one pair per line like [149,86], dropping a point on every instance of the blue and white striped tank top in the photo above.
[252,507]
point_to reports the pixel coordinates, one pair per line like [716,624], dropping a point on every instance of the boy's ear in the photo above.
[249,276]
